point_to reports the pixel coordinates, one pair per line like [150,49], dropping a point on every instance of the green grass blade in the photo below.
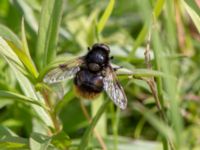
[48,31]
[105,16]
[24,41]
[38,141]
[30,91]
[158,8]
[6,51]
[160,126]
[195,17]
[18,68]
[101,125]
[170,86]
[25,57]
[142,35]
[20,98]
[88,132]
[28,14]
[27,62]
[7,34]
[143,73]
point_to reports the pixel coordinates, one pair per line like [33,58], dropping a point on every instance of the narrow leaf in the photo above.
[38,141]
[7,34]
[29,63]
[13,143]
[29,91]
[19,71]
[7,52]
[105,16]
[27,13]
[48,31]
[89,130]
[195,17]
[154,121]
[143,73]
[25,60]
[4,131]
[21,98]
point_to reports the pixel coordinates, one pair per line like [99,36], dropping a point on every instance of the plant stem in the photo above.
[155,89]
[151,82]
[53,116]
[98,136]
[89,130]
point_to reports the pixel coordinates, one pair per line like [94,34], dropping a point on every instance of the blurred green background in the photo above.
[163,100]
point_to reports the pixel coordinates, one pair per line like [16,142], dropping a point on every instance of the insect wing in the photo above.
[114,89]
[64,71]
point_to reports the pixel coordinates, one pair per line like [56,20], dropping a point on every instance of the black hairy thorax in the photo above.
[90,77]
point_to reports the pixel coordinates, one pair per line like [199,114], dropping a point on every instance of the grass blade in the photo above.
[141,37]
[7,34]
[48,31]
[28,14]
[140,73]
[162,128]
[27,60]
[20,98]
[18,69]
[195,17]
[105,16]
[89,130]
[7,52]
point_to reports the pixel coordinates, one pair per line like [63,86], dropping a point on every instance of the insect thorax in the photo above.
[98,57]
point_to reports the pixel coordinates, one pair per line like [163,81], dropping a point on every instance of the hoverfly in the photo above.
[92,74]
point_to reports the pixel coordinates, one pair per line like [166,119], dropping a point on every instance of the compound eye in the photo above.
[94,67]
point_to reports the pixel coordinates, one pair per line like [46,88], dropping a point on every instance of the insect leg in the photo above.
[89,49]
[112,57]
[116,68]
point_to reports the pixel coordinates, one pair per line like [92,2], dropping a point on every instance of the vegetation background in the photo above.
[158,41]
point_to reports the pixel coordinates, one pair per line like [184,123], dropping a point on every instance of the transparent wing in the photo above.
[114,89]
[63,71]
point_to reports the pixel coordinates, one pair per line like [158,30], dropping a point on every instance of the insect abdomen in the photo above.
[87,84]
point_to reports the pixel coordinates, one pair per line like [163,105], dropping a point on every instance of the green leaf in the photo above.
[142,35]
[61,141]
[10,141]
[21,98]
[26,86]
[140,73]
[48,31]
[13,143]
[38,141]
[29,91]
[158,8]
[162,128]
[195,17]
[5,132]
[26,59]
[105,16]
[65,100]
[7,34]
[24,40]
[88,132]
[7,52]
[12,53]
[28,13]
[125,143]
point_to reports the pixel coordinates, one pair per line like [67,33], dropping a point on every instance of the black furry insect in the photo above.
[92,74]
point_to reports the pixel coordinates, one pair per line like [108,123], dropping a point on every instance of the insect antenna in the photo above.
[89,49]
